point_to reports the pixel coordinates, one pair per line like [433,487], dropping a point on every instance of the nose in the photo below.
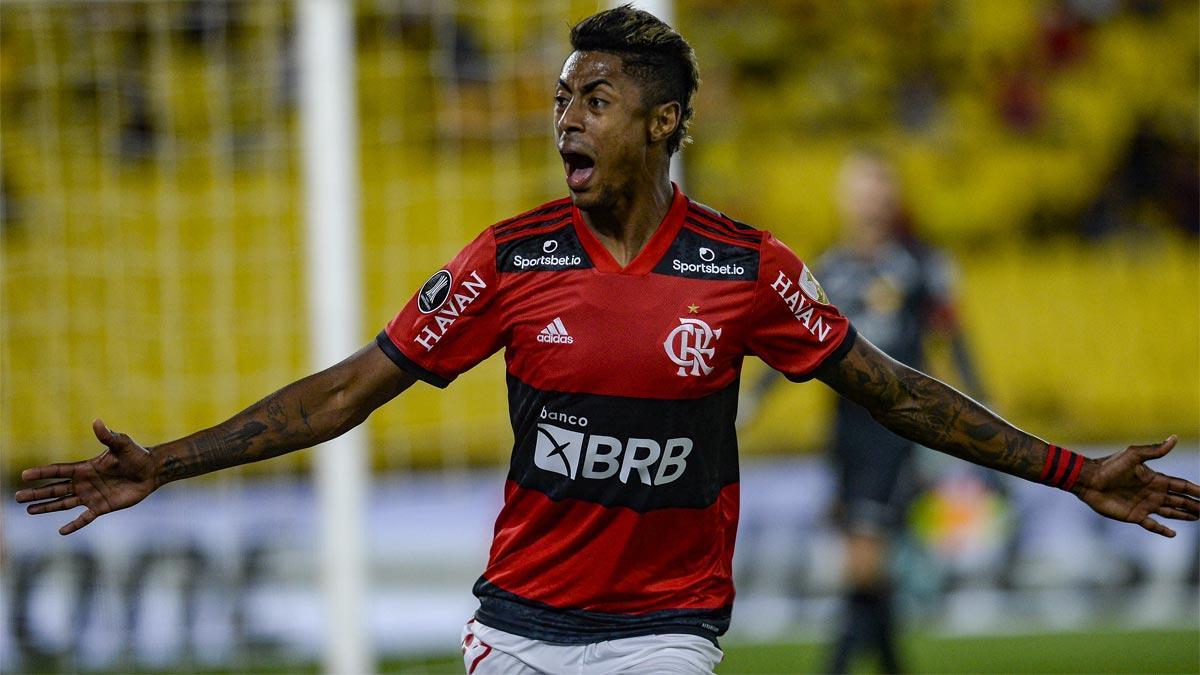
[570,118]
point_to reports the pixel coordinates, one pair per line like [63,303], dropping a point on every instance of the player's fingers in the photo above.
[51,491]
[1183,487]
[50,471]
[64,504]
[1181,503]
[1157,527]
[77,524]
[113,440]
[1175,514]
[103,433]
[1156,450]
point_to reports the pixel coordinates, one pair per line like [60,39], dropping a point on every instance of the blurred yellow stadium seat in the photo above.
[163,292]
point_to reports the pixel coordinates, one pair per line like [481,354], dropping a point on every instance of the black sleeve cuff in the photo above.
[836,355]
[406,364]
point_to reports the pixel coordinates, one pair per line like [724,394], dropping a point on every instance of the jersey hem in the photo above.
[406,364]
[493,621]
[514,614]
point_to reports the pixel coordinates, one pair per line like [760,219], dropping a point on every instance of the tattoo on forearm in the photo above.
[304,418]
[301,415]
[215,449]
[933,414]
[173,469]
[277,413]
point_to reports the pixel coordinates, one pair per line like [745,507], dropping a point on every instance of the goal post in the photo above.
[331,190]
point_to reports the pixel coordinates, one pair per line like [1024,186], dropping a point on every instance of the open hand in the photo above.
[117,478]
[1122,487]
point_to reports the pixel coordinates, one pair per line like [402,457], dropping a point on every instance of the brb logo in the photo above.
[576,454]
[689,346]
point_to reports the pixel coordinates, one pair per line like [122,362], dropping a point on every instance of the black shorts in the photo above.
[874,471]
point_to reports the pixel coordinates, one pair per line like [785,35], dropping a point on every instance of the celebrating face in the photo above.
[602,129]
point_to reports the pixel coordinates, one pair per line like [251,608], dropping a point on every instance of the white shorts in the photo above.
[487,651]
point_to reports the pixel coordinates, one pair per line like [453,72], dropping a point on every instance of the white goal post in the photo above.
[331,190]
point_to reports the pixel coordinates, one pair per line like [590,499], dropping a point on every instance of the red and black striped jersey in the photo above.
[621,501]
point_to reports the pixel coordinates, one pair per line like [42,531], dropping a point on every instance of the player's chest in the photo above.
[643,336]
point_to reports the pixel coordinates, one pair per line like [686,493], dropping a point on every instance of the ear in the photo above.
[664,120]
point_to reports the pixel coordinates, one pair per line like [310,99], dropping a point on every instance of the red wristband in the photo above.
[1062,468]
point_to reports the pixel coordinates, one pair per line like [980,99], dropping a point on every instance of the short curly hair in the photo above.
[653,53]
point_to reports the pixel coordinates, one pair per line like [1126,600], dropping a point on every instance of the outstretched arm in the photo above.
[305,413]
[937,416]
[302,414]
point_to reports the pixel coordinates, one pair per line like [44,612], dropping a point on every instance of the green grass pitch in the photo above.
[1094,652]
[1115,651]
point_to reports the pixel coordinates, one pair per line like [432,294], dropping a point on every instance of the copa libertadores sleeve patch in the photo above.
[451,323]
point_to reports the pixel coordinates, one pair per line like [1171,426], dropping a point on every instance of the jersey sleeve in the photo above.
[794,327]
[453,321]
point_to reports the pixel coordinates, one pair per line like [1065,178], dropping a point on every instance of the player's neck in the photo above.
[625,227]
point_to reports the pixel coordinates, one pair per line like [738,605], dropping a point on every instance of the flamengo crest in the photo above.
[689,346]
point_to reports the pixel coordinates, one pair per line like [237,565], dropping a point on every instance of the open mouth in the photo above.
[579,169]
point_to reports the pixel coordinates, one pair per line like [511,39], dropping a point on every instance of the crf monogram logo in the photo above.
[688,346]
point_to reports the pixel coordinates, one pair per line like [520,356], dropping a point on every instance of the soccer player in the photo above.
[899,292]
[624,312]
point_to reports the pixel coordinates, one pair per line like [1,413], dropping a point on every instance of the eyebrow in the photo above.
[590,86]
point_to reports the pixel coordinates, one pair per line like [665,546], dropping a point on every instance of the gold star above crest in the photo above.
[693,309]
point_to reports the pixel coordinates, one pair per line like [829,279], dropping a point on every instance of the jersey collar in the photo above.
[650,254]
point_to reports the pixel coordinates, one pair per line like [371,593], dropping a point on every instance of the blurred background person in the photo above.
[899,291]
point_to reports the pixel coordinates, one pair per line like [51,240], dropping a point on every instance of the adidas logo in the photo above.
[555,333]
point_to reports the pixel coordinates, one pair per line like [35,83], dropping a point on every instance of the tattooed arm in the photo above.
[302,414]
[305,413]
[929,412]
